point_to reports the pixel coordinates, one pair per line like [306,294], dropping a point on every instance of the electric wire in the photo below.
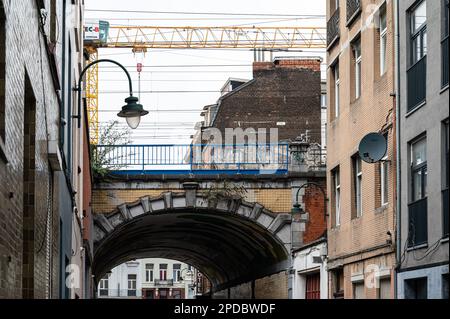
[206,13]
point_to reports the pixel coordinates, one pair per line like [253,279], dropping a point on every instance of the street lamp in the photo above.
[297,208]
[189,273]
[132,111]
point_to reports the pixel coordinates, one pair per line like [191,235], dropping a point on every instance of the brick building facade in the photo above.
[361,83]
[283,94]
[40,56]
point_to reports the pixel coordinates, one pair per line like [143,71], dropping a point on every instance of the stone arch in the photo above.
[229,240]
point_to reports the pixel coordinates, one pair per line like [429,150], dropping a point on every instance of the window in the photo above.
[419,169]
[337,195]
[334,5]
[358,290]
[356,50]
[418,22]
[417,73]
[162,271]
[384,179]
[445,286]
[416,288]
[445,172]
[132,285]
[2,74]
[176,272]
[384,289]
[383,38]
[357,186]
[444,43]
[148,272]
[103,286]
[335,71]
[417,209]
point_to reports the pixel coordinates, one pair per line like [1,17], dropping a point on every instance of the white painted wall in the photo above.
[303,264]
[118,278]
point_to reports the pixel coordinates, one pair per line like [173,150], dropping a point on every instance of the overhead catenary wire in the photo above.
[206,13]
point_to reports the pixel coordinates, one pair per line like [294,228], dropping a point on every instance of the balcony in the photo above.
[417,84]
[445,65]
[333,32]
[120,293]
[417,220]
[353,10]
[160,282]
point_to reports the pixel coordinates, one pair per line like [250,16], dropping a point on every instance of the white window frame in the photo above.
[149,274]
[176,272]
[104,284]
[384,187]
[163,271]
[358,186]
[337,82]
[337,193]
[383,40]
[358,66]
[132,282]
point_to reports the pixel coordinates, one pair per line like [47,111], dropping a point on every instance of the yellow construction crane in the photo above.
[142,38]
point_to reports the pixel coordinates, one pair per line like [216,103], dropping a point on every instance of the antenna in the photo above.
[372,148]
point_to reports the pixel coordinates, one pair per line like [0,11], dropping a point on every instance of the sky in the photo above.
[171,79]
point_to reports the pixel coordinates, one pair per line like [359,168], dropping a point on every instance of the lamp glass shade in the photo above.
[133,122]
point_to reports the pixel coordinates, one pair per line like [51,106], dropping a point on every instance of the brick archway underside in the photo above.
[230,241]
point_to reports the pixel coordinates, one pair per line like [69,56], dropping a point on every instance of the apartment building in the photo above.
[360,87]
[149,278]
[423,250]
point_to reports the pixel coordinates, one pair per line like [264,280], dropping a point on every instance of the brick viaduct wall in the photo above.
[276,195]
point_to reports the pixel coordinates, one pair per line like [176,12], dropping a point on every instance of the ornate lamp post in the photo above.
[132,111]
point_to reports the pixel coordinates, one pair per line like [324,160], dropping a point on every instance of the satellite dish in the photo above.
[372,148]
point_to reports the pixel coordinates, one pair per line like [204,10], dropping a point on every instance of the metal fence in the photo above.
[199,158]
[119,293]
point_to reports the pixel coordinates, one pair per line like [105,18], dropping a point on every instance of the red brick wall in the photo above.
[314,205]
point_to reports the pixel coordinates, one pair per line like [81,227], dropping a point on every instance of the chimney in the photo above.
[312,63]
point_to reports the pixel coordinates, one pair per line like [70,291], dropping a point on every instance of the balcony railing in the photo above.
[417,84]
[333,31]
[205,158]
[160,282]
[445,64]
[353,9]
[417,215]
[119,293]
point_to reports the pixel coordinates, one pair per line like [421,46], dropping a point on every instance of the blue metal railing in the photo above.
[199,158]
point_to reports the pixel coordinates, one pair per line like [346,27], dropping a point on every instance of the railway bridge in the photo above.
[231,219]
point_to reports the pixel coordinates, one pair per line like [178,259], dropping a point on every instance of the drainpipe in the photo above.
[397,146]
